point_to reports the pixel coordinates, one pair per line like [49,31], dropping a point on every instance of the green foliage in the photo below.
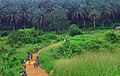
[81,43]
[58,20]
[31,36]
[23,36]
[11,63]
[69,49]
[112,36]
[59,13]
[4,33]
[48,55]
[50,38]
[74,30]
[89,64]
[18,44]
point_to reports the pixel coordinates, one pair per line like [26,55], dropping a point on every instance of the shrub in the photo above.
[74,30]
[11,63]
[4,33]
[24,36]
[18,44]
[69,49]
[50,38]
[112,37]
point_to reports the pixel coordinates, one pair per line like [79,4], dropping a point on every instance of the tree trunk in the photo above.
[94,22]
[24,25]
[103,23]
[79,24]
[41,21]
[13,26]
[84,23]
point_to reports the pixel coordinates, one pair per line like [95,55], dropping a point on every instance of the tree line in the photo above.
[55,15]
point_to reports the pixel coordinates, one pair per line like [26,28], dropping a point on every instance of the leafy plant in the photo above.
[74,30]
[112,36]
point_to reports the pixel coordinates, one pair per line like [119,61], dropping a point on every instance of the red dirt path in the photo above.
[31,71]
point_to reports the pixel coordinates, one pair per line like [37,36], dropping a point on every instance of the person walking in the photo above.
[36,63]
[24,74]
[23,63]
[29,57]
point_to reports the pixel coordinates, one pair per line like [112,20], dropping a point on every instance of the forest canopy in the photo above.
[54,15]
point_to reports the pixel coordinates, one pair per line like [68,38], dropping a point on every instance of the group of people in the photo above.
[29,58]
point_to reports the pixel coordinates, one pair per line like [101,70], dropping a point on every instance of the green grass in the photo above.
[3,43]
[89,64]
[48,55]
[99,62]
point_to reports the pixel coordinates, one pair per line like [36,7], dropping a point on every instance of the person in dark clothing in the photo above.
[24,74]
[23,64]
[36,63]
[29,57]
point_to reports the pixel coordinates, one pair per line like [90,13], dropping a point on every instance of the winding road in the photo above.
[31,71]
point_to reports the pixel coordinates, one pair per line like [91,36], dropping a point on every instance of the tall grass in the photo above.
[47,56]
[89,64]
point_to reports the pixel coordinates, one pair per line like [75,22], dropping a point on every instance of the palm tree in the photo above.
[39,18]
[112,9]
[25,11]
[94,15]
[13,16]
[80,13]
[2,12]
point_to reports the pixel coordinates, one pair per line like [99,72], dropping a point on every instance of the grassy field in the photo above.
[89,64]
[99,58]
[48,55]
[89,54]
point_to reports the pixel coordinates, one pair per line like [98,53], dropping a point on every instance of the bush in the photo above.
[74,30]
[18,44]
[4,33]
[50,38]
[24,36]
[11,63]
[69,49]
[112,36]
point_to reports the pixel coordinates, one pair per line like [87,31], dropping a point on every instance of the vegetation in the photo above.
[92,64]
[74,30]
[79,53]
[76,37]
[22,42]
[57,15]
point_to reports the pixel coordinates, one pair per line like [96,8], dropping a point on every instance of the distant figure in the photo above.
[29,57]
[22,61]
[37,57]
[36,63]
[36,50]
[23,64]
[24,74]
